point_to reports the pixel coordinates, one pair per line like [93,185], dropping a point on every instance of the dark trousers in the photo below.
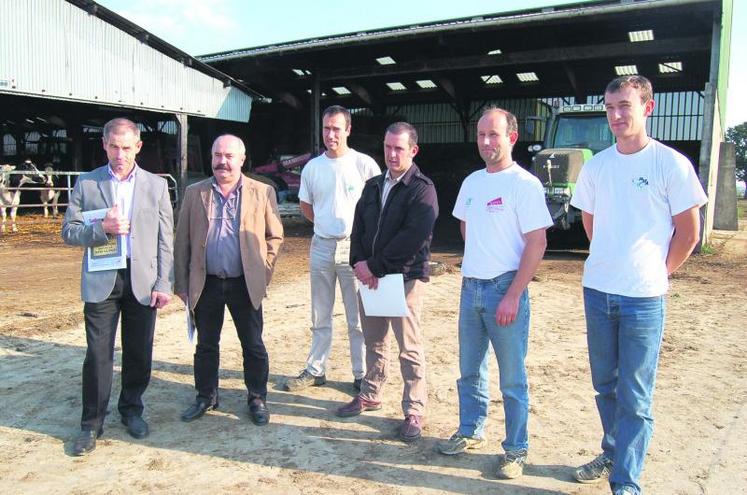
[138,325]
[217,294]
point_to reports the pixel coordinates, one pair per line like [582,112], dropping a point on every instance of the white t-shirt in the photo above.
[499,208]
[633,199]
[333,186]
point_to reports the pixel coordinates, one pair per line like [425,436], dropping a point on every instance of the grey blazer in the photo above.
[151,234]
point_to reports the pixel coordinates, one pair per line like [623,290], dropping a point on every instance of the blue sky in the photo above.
[205,26]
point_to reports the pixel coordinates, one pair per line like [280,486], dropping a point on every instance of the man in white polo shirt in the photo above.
[330,187]
[503,220]
[640,204]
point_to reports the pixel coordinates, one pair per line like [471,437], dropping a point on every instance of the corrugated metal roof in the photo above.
[471,23]
[54,49]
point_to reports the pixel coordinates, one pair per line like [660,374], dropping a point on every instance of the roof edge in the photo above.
[153,41]
[501,18]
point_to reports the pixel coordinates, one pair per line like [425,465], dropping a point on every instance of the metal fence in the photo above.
[68,179]
[677,116]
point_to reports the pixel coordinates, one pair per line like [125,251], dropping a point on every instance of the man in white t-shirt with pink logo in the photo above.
[640,204]
[503,218]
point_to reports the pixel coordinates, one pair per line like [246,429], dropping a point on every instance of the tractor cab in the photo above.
[573,135]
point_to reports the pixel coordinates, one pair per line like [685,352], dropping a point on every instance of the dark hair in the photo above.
[642,84]
[337,109]
[512,124]
[402,127]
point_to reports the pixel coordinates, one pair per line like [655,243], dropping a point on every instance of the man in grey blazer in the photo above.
[139,209]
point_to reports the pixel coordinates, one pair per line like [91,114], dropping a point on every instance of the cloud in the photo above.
[182,22]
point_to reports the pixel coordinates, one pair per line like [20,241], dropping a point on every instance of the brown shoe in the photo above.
[412,428]
[357,406]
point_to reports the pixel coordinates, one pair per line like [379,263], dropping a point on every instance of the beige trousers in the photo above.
[411,352]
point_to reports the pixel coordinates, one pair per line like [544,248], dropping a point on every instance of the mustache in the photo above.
[220,167]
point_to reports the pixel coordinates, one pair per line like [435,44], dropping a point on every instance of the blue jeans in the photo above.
[624,336]
[478,329]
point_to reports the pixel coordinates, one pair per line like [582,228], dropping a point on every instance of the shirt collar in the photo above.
[235,190]
[388,178]
[129,178]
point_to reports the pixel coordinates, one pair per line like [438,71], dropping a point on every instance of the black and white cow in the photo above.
[49,194]
[10,188]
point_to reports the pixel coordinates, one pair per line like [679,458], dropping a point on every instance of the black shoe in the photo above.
[357,384]
[258,412]
[85,442]
[197,410]
[136,426]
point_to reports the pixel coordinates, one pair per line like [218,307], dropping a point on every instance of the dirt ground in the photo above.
[701,417]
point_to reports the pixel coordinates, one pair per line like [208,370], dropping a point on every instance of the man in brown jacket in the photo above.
[227,237]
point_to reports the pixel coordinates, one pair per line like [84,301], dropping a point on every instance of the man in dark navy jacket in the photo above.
[392,233]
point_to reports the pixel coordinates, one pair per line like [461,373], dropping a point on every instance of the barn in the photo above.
[68,66]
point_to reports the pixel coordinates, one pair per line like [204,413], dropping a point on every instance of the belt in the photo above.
[224,278]
[338,239]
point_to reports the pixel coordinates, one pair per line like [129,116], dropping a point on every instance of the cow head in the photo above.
[48,175]
[30,175]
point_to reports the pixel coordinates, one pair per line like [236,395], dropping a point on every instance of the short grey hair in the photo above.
[242,147]
[113,126]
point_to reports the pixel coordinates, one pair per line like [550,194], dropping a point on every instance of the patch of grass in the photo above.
[742,208]
[707,249]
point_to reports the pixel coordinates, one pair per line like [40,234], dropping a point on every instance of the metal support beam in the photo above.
[74,131]
[181,148]
[315,126]
[712,136]
[447,86]
[459,103]
[571,75]
[549,55]
[362,93]
[273,90]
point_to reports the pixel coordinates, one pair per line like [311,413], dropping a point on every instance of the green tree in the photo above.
[738,136]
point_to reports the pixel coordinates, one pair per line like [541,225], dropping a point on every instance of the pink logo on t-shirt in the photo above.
[494,205]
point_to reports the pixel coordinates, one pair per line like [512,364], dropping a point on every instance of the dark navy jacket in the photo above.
[398,239]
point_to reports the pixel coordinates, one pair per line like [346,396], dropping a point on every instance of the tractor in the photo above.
[573,135]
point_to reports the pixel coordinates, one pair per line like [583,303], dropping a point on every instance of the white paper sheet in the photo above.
[190,323]
[388,299]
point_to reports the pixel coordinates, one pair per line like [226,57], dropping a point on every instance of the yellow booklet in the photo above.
[109,256]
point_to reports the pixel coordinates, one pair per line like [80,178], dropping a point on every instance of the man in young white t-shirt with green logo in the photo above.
[640,205]
[331,185]
[503,218]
